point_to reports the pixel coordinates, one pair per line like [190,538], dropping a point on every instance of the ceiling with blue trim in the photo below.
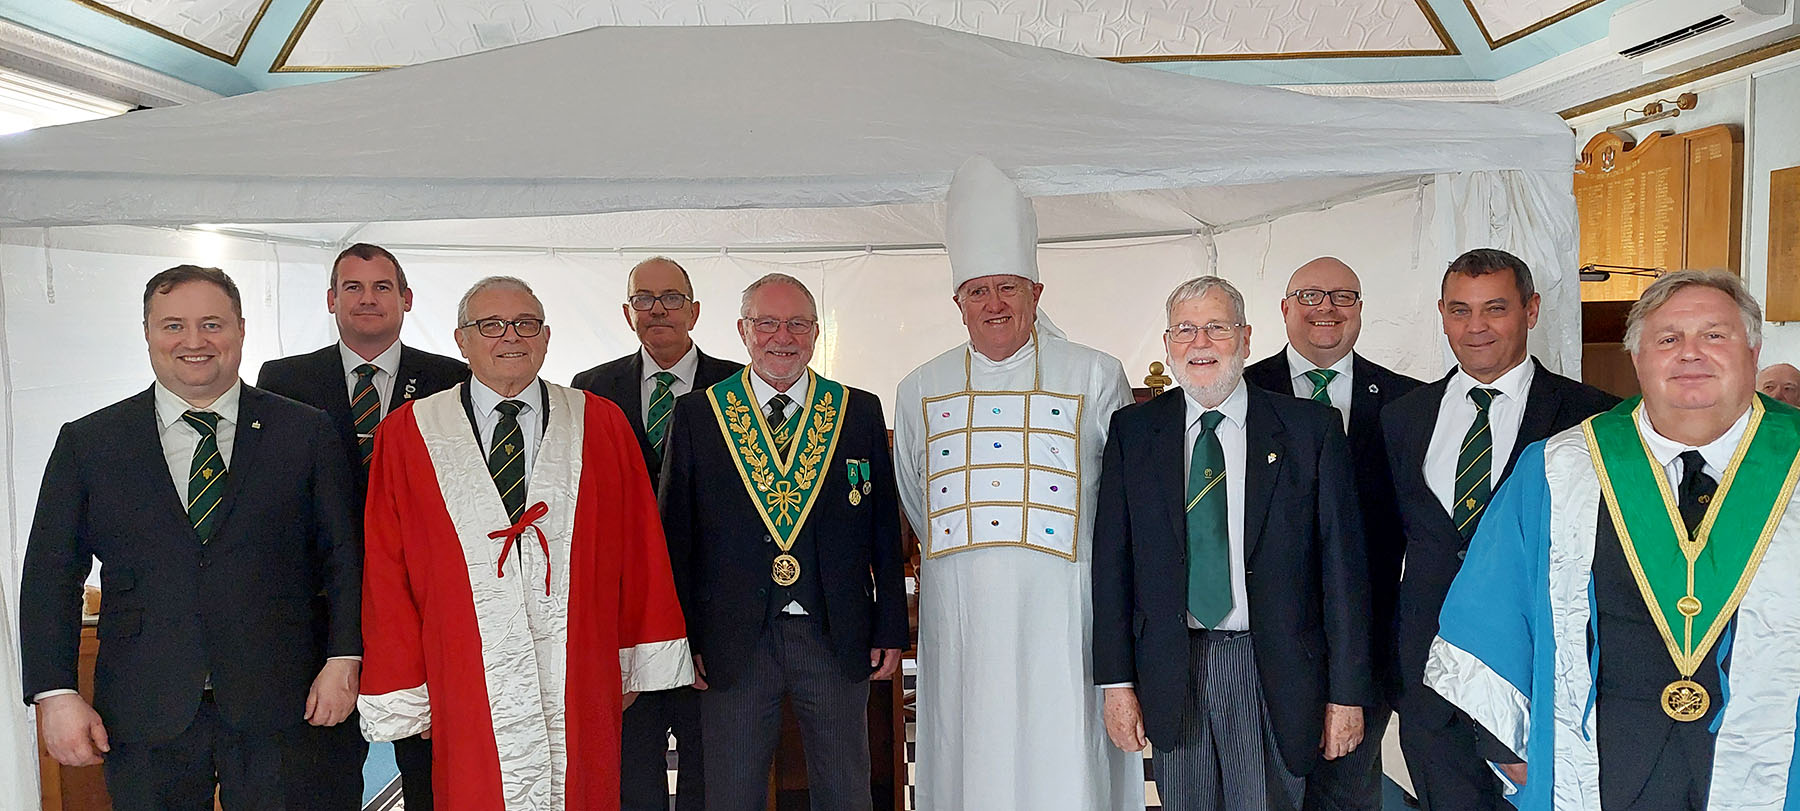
[237,46]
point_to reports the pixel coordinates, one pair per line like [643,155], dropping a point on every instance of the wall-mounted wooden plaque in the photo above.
[1673,201]
[1783,302]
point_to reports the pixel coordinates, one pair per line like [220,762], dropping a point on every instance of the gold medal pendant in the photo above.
[786,571]
[855,497]
[1685,700]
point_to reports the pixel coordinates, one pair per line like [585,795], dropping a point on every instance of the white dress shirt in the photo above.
[683,370]
[486,402]
[799,391]
[387,367]
[1340,389]
[1717,453]
[1456,412]
[1232,441]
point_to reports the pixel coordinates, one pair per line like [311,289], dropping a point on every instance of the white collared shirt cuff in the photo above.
[49,693]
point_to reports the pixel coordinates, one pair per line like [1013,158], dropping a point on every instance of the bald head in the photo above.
[1325,330]
[1782,382]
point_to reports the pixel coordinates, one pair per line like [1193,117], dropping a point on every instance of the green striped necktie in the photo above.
[662,401]
[365,411]
[1475,466]
[778,418]
[206,476]
[1208,527]
[506,460]
[1321,379]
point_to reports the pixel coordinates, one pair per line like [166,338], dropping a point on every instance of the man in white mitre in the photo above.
[997,448]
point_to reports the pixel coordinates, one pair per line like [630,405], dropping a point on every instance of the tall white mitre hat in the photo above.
[990,229]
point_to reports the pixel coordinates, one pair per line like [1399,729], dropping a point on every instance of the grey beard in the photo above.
[1216,393]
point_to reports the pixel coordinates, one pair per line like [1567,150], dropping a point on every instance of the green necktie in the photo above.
[1208,529]
[662,401]
[506,460]
[1321,378]
[206,476]
[365,410]
[1474,466]
[779,434]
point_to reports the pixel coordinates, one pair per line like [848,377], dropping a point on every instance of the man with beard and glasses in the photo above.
[1451,444]
[661,308]
[1230,590]
[367,373]
[1629,615]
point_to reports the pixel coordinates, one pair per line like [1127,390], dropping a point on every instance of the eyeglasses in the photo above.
[496,327]
[1185,333]
[670,301]
[1312,297]
[980,294]
[797,326]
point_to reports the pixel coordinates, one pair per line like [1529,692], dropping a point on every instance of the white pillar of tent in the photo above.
[18,739]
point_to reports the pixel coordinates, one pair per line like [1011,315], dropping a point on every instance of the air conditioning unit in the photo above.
[1671,36]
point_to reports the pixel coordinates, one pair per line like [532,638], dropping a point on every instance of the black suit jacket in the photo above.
[240,607]
[1372,388]
[317,379]
[621,381]
[722,553]
[1304,567]
[1434,549]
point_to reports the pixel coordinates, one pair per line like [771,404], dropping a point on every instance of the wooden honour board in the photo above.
[1784,245]
[1673,201]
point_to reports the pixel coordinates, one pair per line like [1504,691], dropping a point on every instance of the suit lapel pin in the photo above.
[1271,458]
[1374,389]
[256,423]
[412,385]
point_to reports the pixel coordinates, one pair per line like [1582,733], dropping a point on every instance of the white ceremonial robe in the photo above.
[1513,647]
[1009,717]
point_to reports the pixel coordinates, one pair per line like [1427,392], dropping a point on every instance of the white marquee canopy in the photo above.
[820,150]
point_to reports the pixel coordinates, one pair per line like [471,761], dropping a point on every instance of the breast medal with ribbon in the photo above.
[1693,583]
[783,489]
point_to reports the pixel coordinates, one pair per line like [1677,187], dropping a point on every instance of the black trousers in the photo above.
[328,763]
[1445,759]
[644,750]
[252,772]
[1352,782]
[413,756]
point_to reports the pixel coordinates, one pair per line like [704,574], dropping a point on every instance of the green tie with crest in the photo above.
[506,460]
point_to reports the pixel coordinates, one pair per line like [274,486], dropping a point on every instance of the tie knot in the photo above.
[1321,377]
[1209,421]
[366,370]
[664,379]
[1482,397]
[510,408]
[206,422]
[778,406]
[1692,463]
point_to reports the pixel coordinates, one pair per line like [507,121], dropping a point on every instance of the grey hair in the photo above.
[776,278]
[494,283]
[1660,291]
[685,279]
[1201,285]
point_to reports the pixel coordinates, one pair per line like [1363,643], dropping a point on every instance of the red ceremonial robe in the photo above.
[503,647]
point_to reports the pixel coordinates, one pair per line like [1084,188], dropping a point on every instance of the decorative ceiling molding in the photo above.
[33,52]
[227,26]
[364,35]
[1516,19]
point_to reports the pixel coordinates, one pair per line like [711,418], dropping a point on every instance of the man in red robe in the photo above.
[512,546]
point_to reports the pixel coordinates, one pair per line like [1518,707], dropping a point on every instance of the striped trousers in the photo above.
[1227,749]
